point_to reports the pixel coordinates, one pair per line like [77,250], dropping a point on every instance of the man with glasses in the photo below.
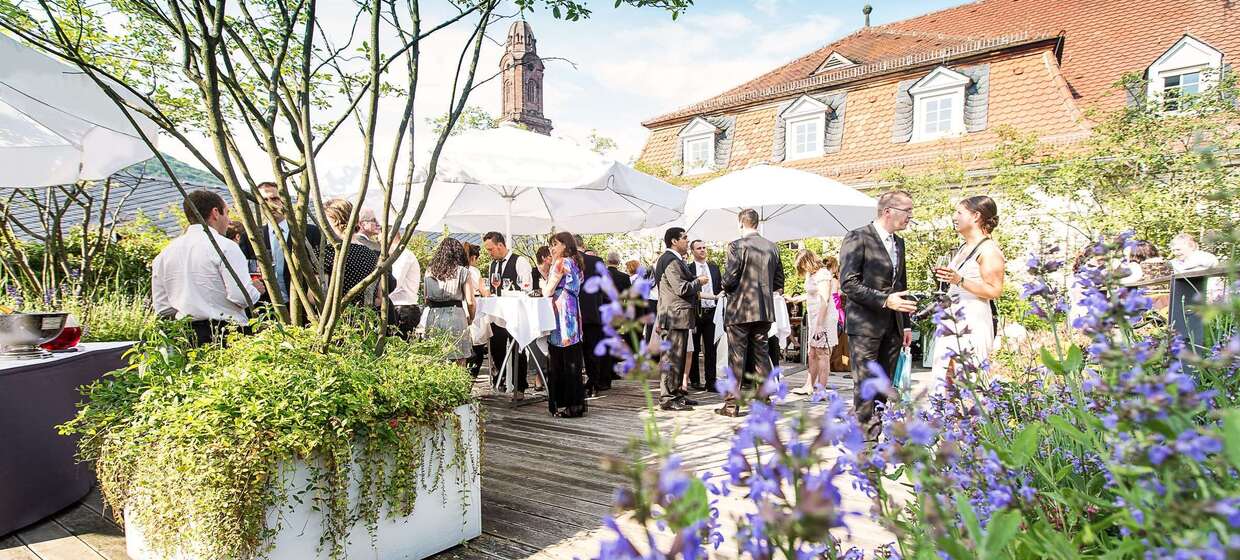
[874,281]
[368,229]
[312,240]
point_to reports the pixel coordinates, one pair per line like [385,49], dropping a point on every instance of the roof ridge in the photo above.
[860,70]
[926,34]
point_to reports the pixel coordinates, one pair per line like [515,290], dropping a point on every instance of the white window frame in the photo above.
[1188,55]
[698,131]
[804,110]
[940,84]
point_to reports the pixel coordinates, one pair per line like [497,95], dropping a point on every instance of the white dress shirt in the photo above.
[189,279]
[408,274]
[1197,260]
[703,269]
[889,242]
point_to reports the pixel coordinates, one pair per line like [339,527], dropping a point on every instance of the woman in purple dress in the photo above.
[566,396]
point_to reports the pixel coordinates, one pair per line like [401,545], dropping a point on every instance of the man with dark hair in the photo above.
[678,295]
[874,280]
[311,241]
[190,278]
[516,269]
[704,328]
[752,275]
[597,376]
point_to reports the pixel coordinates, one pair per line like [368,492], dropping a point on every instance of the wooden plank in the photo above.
[13,549]
[52,542]
[100,533]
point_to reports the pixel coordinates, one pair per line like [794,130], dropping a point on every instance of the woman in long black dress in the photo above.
[566,397]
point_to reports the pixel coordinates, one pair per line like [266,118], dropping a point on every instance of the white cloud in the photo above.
[768,7]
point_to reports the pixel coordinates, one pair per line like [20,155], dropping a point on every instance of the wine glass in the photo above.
[508,285]
[495,281]
[526,285]
[942,262]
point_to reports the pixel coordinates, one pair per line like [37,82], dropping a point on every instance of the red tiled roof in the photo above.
[1102,40]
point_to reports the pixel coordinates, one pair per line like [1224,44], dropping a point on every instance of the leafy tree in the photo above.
[600,144]
[269,74]
[472,118]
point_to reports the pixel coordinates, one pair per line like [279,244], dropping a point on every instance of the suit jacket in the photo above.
[751,276]
[314,243]
[678,291]
[620,279]
[867,277]
[588,302]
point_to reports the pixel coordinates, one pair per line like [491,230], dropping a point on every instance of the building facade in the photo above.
[911,94]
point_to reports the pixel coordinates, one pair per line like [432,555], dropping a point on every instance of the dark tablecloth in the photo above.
[38,473]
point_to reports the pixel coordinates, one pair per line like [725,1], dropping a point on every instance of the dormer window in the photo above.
[1187,68]
[698,146]
[805,124]
[834,62]
[938,104]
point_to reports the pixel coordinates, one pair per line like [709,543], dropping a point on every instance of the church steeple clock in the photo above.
[522,71]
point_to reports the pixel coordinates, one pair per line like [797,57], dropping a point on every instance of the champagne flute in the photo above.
[942,262]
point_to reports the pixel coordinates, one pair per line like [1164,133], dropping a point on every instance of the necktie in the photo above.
[277,257]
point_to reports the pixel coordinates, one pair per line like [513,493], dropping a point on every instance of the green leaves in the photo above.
[999,532]
[1025,444]
[1065,428]
[1231,436]
[1072,363]
[694,506]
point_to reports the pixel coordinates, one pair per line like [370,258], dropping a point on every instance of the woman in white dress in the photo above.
[974,277]
[821,318]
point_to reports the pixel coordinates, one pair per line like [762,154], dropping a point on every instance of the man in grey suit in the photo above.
[874,280]
[751,277]
[678,298]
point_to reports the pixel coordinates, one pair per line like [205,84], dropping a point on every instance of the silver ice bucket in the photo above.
[22,333]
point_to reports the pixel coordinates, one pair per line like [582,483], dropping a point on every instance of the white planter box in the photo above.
[436,523]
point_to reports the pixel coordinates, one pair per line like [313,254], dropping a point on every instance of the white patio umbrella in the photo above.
[791,204]
[527,183]
[57,126]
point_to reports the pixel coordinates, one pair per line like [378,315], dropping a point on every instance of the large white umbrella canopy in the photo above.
[791,204]
[57,126]
[524,183]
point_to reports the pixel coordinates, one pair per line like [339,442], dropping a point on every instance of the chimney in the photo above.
[866,10]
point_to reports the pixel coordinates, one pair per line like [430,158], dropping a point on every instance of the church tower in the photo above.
[522,71]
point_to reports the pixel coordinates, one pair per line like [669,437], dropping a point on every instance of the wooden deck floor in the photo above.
[543,493]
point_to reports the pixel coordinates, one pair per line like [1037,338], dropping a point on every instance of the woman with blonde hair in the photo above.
[360,261]
[821,322]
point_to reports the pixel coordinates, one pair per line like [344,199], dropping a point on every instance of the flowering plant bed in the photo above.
[279,441]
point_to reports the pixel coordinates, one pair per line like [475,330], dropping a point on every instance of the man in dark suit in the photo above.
[704,329]
[678,293]
[597,378]
[874,280]
[623,284]
[751,277]
[312,240]
[517,271]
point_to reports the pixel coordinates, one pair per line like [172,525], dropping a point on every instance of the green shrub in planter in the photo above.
[196,441]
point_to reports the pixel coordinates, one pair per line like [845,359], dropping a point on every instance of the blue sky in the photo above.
[633,64]
[624,65]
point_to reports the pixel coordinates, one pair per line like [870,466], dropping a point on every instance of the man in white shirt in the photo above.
[189,278]
[517,271]
[704,328]
[408,274]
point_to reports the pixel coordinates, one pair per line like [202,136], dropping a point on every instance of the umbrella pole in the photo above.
[508,220]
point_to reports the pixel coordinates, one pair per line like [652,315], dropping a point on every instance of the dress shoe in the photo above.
[689,401]
[731,411]
[675,405]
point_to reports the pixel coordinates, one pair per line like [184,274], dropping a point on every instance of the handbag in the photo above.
[902,378]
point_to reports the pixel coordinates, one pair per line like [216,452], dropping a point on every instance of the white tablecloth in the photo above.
[781,328]
[83,348]
[525,318]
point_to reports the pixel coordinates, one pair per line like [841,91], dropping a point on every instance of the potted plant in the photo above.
[278,446]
